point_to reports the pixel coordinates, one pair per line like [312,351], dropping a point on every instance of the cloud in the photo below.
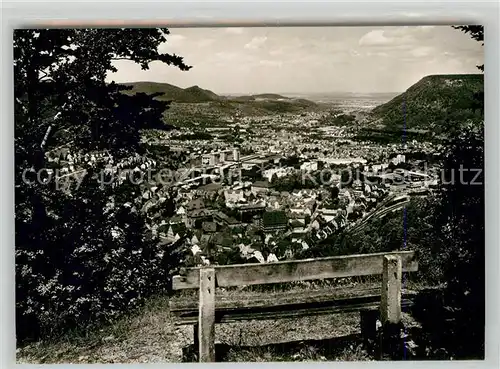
[256,43]
[234,30]
[271,63]
[310,58]
[423,32]
[205,42]
[377,53]
[230,59]
[426,28]
[275,52]
[175,38]
[422,51]
[397,36]
[375,38]
[227,55]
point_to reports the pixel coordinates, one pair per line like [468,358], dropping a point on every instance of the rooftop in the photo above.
[273,218]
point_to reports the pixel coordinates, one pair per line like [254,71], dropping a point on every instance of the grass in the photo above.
[144,336]
[150,336]
[303,351]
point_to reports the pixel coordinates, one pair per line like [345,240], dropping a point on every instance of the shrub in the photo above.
[84,261]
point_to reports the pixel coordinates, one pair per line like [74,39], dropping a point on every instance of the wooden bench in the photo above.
[203,313]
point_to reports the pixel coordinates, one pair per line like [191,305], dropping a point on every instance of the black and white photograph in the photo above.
[249,194]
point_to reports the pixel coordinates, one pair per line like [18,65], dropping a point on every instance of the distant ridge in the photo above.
[206,101]
[193,94]
[196,94]
[269,96]
[436,102]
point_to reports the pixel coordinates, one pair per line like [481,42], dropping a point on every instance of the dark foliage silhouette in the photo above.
[81,253]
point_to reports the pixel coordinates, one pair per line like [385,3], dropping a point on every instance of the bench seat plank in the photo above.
[296,270]
[245,297]
[287,311]
[231,308]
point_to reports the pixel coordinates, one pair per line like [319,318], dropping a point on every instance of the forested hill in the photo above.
[196,94]
[436,103]
[170,92]
[205,102]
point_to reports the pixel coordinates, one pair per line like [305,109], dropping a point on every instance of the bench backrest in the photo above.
[296,270]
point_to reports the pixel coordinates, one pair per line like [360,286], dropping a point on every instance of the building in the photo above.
[309,166]
[195,217]
[279,172]
[236,154]
[344,161]
[274,221]
[209,227]
[210,159]
[224,220]
[234,196]
[261,186]
[399,159]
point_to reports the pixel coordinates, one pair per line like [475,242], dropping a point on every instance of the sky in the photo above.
[309,59]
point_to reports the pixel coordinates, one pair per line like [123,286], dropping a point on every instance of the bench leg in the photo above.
[196,345]
[390,306]
[206,321]
[369,325]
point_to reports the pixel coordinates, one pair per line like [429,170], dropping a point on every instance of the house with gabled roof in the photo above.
[196,217]
[225,220]
[261,186]
[195,240]
[222,241]
[234,195]
[209,227]
[273,221]
[195,204]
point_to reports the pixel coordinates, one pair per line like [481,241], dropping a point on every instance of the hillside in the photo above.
[196,94]
[195,104]
[209,113]
[270,96]
[170,92]
[436,103]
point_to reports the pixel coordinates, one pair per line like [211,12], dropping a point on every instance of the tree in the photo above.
[477,33]
[459,219]
[81,254]
[60,82]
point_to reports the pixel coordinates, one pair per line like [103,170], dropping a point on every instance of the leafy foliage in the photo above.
[458,325]
[463,241]
[82,255]
[477,33]
[463,234]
